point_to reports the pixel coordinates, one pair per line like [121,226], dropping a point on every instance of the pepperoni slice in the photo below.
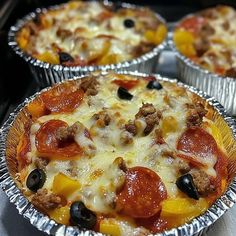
[193,24]
[141,194]
[49,146]
[199,145]
[62,98]
[127,84]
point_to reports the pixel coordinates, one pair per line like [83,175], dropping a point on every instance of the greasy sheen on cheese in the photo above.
[208,38]
[111,150]
[91,33]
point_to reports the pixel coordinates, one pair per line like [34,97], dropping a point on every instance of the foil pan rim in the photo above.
[37,63]
[49,226]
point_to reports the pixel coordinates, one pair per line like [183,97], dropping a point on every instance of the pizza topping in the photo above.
[206,30]
[201,46]
[102,155]
[211,43]
[142,193]
[151,116]
[202,182]
[102,119]
[195,114]
[154,84]
[193,23]
[84,140]
[82,216]
[63,34]
[124,94]
[77,30]
[46,201]
[62,99]
[48,144]
[182,166]
[127,84]
[119,161]
[89,85]
[64,134]
[198,146]
[65,57]
[185,184]
[129,23]
[41,163]
[131,128]
[36,180]
[159,137]
[126,137]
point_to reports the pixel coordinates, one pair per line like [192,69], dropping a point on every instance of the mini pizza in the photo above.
[208,39]
[91,33]
[121,154]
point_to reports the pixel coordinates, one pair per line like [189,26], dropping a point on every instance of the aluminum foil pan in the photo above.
[222,88]
[9,136]
[48,74]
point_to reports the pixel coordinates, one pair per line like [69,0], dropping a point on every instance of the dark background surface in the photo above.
[16,82]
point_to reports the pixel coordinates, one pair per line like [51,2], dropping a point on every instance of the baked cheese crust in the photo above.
[91,33]
[208,38]
[121,145]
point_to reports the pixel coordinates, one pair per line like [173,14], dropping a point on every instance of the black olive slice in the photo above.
[129,23]
[82,216]
[185,184]
[154,84]
[36,180]
[65,57]
[124,94]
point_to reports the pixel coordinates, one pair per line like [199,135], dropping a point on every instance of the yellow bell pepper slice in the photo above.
[215,132]
[183,37]
[109,59]
[23,38]
[181,210]
[169,125]
[64,186]
[183,206]
[157,36]
[187,50]
[61,215]
[36,108]
[109,227]
[48,57]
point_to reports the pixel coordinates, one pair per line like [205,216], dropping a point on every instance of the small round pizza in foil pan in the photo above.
[78,37]
[119,154]
[204,45]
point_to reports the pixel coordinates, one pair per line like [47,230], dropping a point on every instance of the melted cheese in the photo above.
[221,54]
[90,36]
[97,170]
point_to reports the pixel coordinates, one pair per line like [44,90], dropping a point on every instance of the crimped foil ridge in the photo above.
[43,223]
[48,74]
